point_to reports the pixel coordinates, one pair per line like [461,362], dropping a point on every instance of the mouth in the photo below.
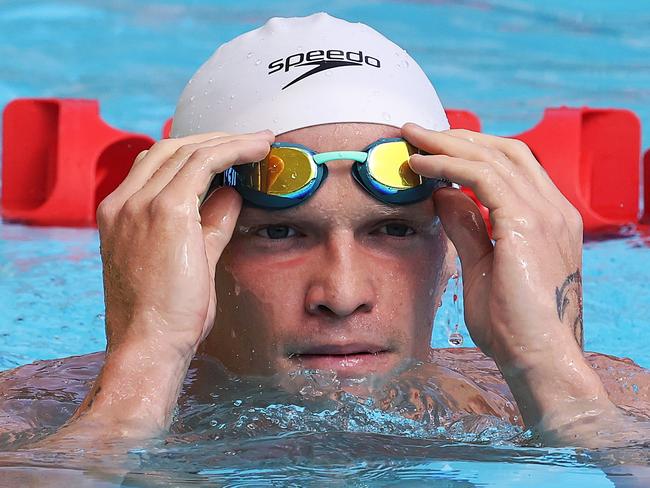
[347,360]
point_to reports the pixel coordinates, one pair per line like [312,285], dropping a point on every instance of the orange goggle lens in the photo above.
[284,171]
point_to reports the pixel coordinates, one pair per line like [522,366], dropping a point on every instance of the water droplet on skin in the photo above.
[237,290]
[456,339]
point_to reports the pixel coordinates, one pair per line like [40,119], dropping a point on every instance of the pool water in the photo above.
[504,60]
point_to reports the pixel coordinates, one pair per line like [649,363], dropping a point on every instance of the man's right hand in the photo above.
[159,250]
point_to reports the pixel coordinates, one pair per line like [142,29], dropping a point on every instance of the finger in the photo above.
[520,154]
[160,151]
[196,174]
[488,186]
[169,168]
[144,167]
[219,215]
[435,142]
[464,226]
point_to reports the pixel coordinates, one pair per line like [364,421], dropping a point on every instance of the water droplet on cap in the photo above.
[257,62]
[250,54]
[385,116]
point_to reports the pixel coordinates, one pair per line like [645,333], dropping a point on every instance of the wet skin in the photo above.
[352,285]
[341,282]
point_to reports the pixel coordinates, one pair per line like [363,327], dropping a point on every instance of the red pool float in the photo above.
[60,160]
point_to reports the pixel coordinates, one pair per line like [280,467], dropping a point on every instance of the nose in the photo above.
[342,283]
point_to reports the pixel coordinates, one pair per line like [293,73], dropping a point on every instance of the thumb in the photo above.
[219,215]
[464,226]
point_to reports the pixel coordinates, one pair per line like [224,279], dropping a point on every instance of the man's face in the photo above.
[341,282]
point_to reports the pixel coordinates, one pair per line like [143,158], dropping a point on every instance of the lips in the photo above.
[341,349]
[352,359]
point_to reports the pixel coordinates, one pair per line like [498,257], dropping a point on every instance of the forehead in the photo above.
[340,136]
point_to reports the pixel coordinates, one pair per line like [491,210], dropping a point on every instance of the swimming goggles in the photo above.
[291,173]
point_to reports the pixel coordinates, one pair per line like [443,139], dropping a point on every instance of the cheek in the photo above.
[411,286]
[262,290]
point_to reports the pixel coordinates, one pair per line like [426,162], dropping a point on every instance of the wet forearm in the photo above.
[134,395]
[559,394]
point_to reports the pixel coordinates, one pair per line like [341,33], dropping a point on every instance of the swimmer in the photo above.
[325,242]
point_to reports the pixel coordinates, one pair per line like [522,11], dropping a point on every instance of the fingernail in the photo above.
[416,125]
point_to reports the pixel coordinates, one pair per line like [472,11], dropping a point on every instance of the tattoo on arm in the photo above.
[569,304]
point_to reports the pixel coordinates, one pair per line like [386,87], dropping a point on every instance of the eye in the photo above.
[276,232]
[396,230]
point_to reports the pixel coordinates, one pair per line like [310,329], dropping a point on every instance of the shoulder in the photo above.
[44,394]
[472,382]
[627,383]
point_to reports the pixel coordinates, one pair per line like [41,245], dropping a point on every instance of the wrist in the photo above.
[553,385]
[151,330]
[137,388]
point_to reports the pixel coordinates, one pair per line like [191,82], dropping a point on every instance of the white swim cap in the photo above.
[303,71]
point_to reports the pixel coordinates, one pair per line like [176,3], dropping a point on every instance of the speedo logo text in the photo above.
[321,60]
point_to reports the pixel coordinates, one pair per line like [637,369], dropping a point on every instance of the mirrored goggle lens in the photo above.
[284,172]
[388,165]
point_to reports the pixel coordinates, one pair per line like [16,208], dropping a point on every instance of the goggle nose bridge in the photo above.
[358,156]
